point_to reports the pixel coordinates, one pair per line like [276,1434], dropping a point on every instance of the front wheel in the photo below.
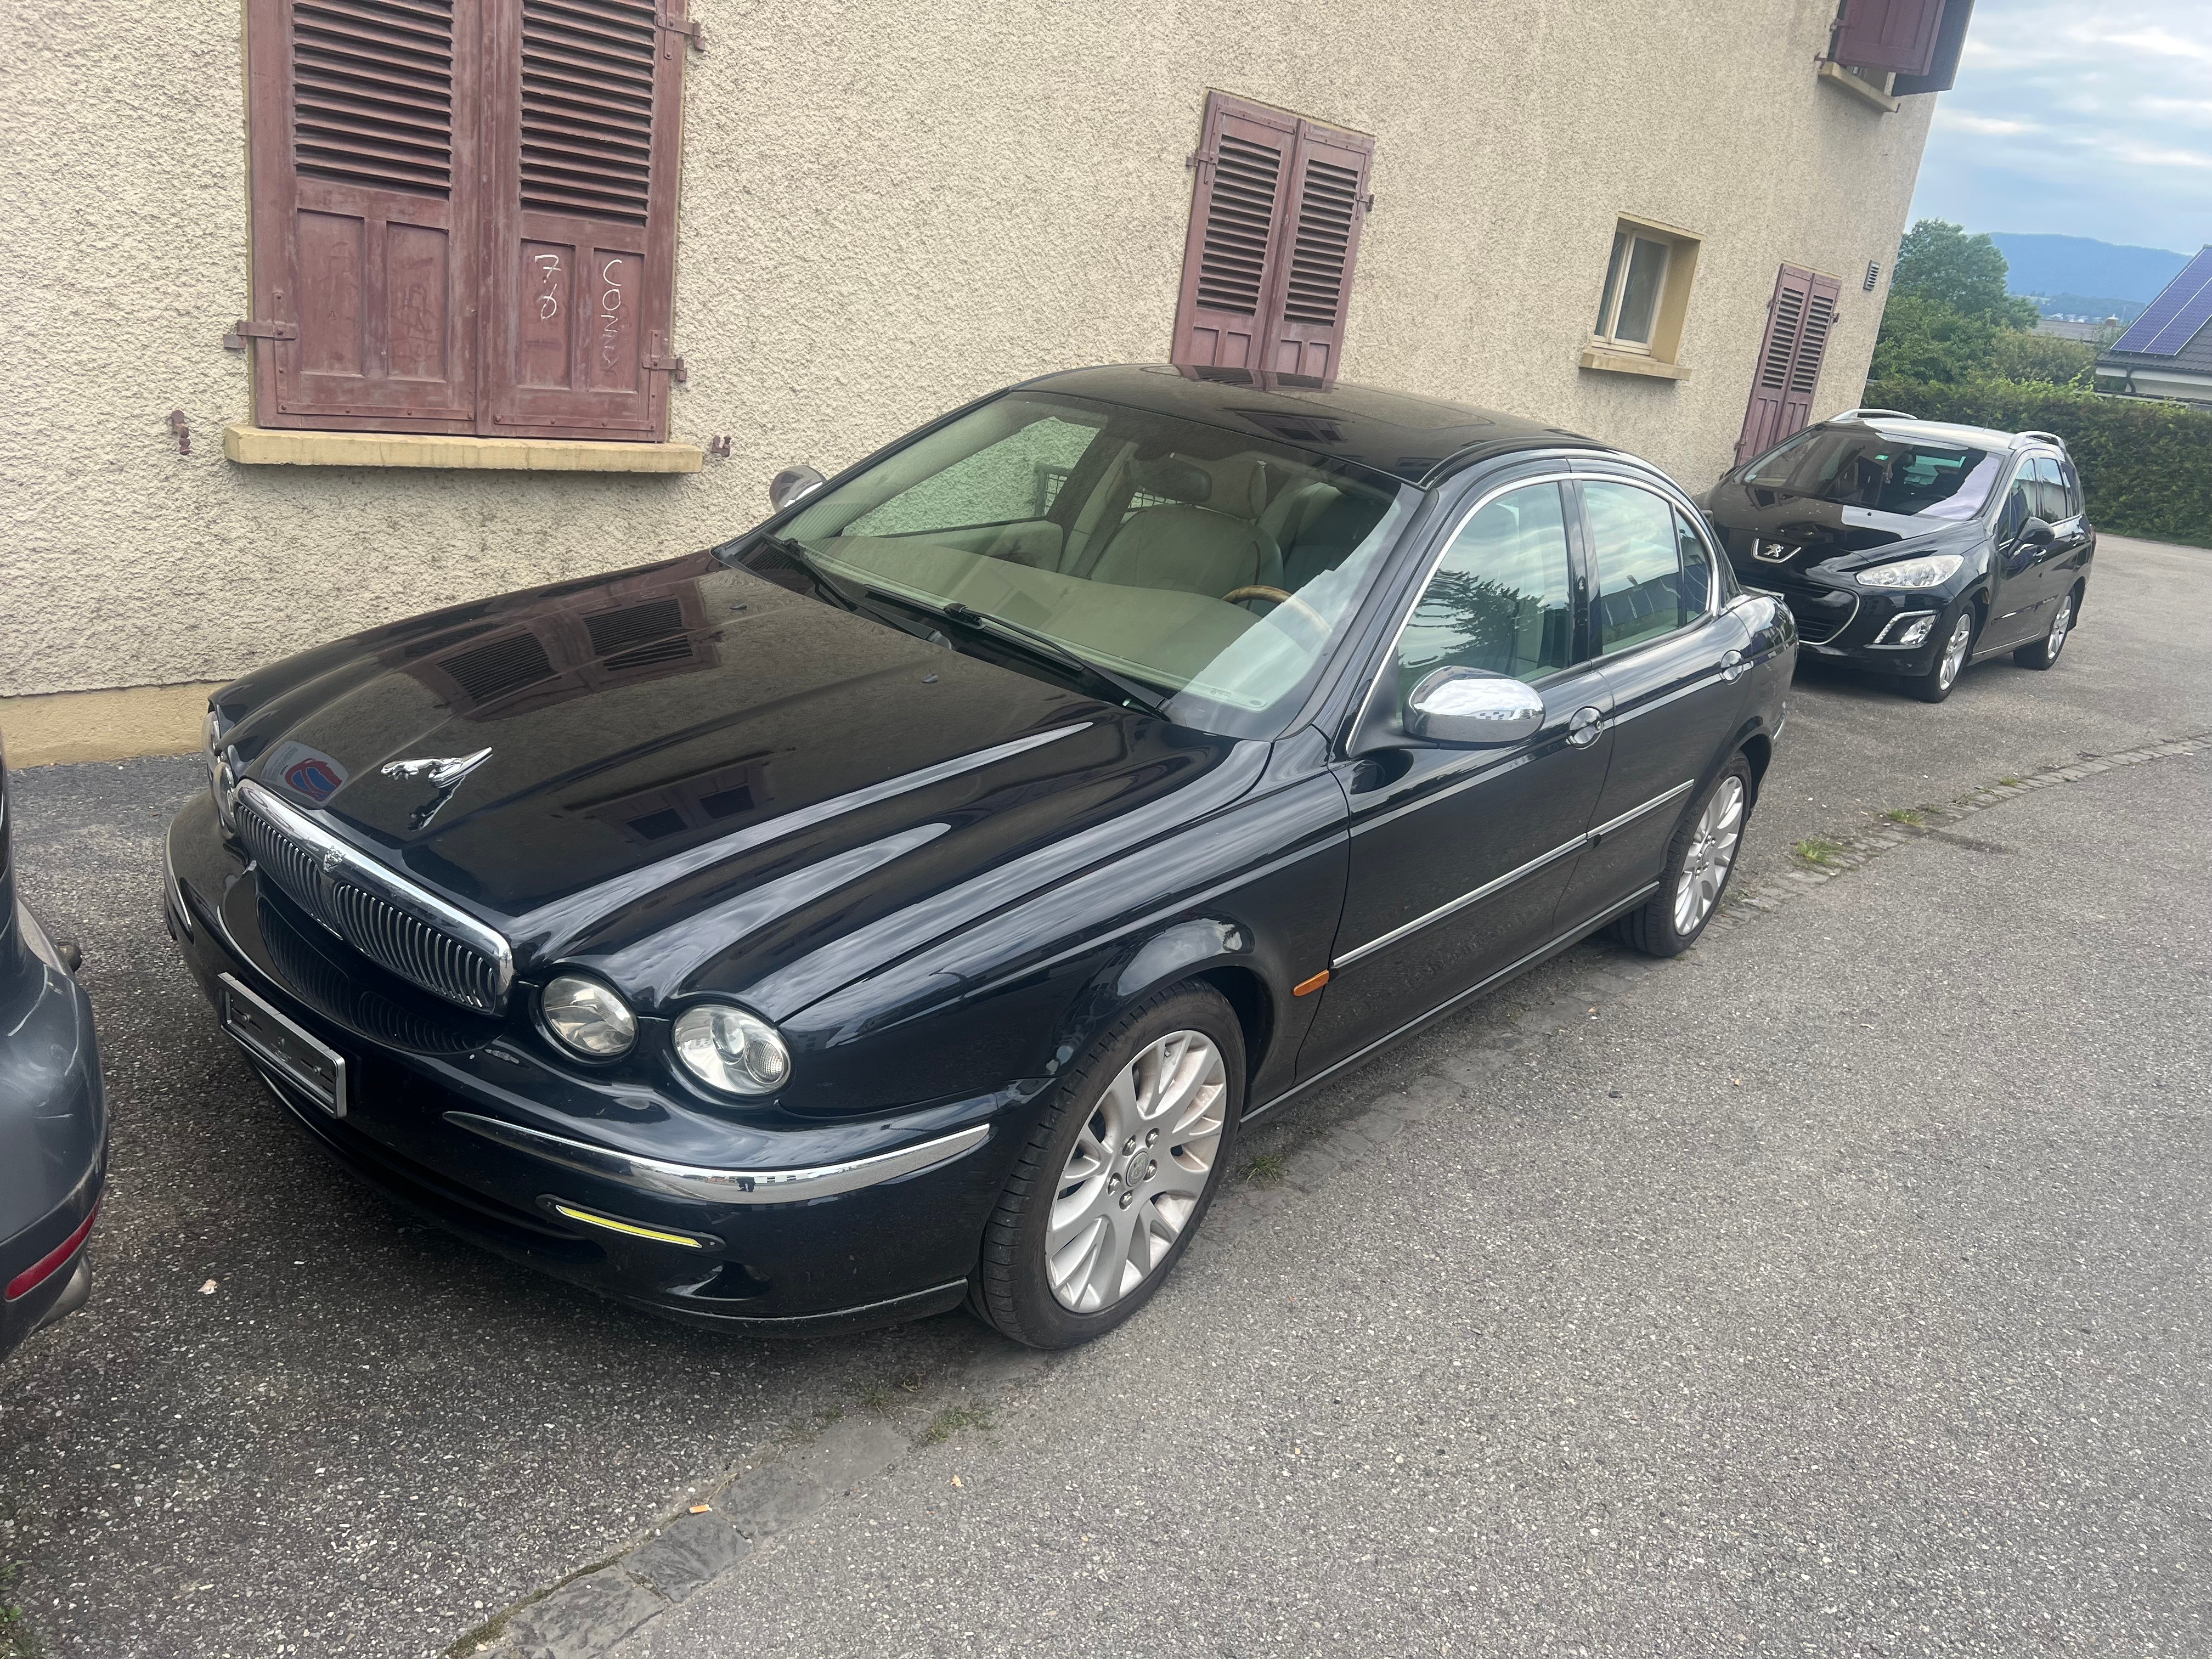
[1117,1173]
[1936,684]
[2044,653]
[1698,861]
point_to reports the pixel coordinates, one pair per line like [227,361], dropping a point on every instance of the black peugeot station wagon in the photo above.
[907,902]
[1913,547]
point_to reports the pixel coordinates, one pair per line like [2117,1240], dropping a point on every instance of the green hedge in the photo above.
[2146,466]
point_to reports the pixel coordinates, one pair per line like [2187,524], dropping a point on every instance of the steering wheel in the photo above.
[1279,597]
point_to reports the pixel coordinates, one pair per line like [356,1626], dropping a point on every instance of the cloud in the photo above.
[2087,126]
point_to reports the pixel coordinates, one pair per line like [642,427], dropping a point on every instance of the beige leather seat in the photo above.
[1187,544]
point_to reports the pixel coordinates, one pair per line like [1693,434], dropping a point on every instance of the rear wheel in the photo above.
[1936,684]
[1117,1173]
[2044,653]
[1699,862]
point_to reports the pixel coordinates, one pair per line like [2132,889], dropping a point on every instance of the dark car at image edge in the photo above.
[1914,548]
[905,903]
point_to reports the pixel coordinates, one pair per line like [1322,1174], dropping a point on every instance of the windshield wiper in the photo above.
[1043,645]
[805,559]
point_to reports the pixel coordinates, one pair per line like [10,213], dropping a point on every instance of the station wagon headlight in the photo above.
[586,1017]
[730,1050]
[1931,570]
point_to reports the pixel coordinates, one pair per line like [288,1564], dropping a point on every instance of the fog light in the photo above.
[1908,631]
[588,1017]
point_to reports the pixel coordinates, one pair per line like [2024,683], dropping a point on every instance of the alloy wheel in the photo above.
[2059,624]
[1710,856]
[1954,650]
[1137,1172]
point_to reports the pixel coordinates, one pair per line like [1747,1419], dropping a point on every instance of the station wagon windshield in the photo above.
[1862,468]
[1214,568]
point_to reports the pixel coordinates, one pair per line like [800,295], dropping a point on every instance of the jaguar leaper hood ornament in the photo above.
[444,771]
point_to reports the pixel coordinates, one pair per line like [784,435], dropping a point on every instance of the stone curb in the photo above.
[588,1614]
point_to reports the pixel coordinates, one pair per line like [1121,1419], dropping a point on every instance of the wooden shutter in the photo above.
[1887,34]
[363,162]
[1799,319]
[1319,241]
[582,140]
[1229,258]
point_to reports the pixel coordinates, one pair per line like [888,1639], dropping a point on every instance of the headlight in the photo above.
[586,1016]
[222,770]
[729,1050]
[1927,571]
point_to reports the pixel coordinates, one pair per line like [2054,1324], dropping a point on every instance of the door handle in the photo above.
[1732,666]
[1583,727]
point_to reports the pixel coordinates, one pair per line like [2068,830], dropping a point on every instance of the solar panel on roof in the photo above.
[2174,317]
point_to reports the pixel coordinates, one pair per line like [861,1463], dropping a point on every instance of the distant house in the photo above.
[2167,351]
[2079,328]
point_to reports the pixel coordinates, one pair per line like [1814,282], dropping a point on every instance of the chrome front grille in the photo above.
[395,924]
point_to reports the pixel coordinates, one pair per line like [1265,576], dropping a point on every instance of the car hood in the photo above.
[686,775]
[1827,533]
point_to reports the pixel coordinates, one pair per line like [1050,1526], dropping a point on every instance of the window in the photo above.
[2020,504]
[1654,573]
[1645,297]
[1274,230]
[1798,320]
[2051,504]
[464,215]
[1502,597]
[1855,465]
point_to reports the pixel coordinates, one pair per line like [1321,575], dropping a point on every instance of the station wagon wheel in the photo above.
[2044,653]
[1950,662]
[1700,860]
[1117,1173]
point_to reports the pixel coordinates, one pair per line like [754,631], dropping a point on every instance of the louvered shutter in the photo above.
[582,140]
[363,164]
[1887,34]
[1318,243]
[1229,260]
[1798,321]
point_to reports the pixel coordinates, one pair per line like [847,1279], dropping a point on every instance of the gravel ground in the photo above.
[368,1439]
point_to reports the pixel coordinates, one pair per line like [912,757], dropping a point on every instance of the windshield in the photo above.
[1214,568]
[1860,467]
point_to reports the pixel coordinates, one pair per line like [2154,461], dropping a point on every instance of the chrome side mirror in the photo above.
[793,482]
[1469,707]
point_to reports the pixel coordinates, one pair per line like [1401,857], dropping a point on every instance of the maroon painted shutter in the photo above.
[1764,420]
[363,159]
[1229,269]
[1812,347]
[582,137]
[1887,34]
[1318,242]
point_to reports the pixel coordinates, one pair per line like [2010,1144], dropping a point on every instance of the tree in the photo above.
[1937,261]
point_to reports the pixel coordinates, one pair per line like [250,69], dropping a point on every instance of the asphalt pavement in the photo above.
[1908,1323]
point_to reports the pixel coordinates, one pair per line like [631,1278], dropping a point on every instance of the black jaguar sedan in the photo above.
[907,902]
[1912,547]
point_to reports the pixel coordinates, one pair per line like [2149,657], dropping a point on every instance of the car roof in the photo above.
[1948,432]
[1414,438]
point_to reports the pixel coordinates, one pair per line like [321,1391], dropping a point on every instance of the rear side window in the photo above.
[1502,597]
[1653,574]
[2052,505]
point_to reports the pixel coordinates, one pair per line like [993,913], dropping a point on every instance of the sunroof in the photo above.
[2175,316]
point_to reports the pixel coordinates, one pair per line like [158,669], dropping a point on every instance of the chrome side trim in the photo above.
[1633,812]
[722,1186]
[388,885]
[1587,838]
[1461,903]
[1580,931]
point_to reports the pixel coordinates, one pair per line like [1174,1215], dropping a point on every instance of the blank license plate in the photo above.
[314,1068]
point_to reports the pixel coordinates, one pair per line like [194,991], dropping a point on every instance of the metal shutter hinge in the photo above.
[1367,202]
[690,27]
[243,331]
[720,447]
[1199,158]
[666,366]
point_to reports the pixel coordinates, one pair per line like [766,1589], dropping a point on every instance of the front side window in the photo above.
[1502,599]
[1653,574]
[1858,466]
[1216,567]
[2052,506]
[2018,505]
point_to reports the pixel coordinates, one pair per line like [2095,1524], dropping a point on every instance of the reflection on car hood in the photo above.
[687,743]
[1837,537]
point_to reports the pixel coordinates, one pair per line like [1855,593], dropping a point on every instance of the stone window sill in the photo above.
[1845,82]
[260,446]
[1630,362]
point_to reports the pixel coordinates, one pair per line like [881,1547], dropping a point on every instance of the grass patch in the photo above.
[953,1419]
[1266,1169]
[2009,783]
[16,1641]
[1909,815]
[1815,850]
[877,1397]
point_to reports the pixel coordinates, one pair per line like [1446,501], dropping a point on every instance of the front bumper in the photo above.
[744,1217]
[1840,619]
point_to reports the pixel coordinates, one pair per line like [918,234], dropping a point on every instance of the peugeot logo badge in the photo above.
[331,860]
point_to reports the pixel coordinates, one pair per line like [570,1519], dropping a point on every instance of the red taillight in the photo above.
[54,1259]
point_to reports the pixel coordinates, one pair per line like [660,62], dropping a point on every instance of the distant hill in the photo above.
[2080,265]
[2096,307]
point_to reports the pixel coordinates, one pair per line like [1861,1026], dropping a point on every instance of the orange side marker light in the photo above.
[1306,987]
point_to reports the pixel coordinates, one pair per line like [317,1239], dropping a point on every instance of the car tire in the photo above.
[1958,631]
[1117,1173]
[2044,652]
[1700,860]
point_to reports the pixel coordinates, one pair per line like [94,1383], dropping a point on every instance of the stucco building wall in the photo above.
[887,209]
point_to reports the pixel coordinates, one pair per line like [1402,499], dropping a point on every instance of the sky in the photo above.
[2080,119]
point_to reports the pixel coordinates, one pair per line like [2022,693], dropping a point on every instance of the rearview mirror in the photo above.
[1469,706]
[793,482]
